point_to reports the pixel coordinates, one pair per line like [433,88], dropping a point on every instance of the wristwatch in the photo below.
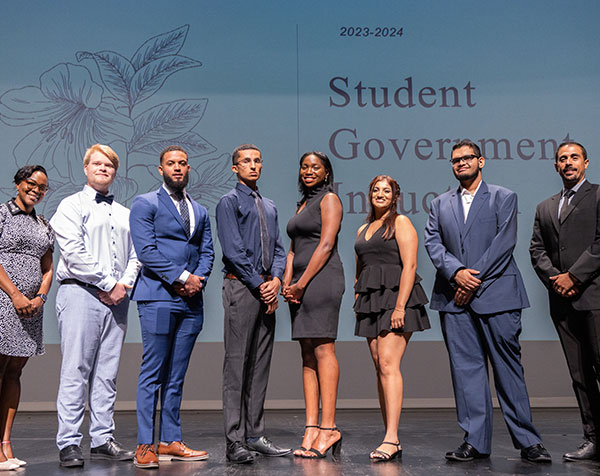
[43,297]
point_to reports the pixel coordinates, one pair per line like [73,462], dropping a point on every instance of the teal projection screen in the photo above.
[381,87]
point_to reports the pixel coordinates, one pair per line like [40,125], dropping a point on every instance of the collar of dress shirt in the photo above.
[90,192]
[575,188]
[242,187]
[14,209]
[464,191]
[171,191]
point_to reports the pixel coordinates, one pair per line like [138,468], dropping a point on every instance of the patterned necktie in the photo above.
[264,233]
[104,198]
[183,211]
[565,206]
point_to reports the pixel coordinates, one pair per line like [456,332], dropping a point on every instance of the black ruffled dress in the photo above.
[377,288]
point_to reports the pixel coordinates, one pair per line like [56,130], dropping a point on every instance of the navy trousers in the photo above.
[472,341]
[169,332]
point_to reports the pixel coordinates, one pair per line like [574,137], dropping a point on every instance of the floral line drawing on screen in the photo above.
[105,98]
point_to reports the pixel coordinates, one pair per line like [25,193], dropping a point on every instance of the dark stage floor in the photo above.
[425,434]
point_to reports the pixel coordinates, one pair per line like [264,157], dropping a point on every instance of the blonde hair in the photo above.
[104,150]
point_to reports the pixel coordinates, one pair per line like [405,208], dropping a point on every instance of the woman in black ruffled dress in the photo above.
[390,302]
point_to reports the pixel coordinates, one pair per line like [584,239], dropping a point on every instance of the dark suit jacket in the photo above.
[164,248]
[485,243]
[573,246]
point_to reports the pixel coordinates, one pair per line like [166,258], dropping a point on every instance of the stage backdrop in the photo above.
[380,87]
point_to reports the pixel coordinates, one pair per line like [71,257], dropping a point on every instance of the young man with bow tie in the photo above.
[97,265]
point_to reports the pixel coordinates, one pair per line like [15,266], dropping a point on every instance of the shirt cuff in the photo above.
[183,277]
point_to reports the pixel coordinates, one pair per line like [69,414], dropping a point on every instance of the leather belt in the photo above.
[79,283]
[266,277]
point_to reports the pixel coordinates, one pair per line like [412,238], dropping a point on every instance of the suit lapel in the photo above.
[481,197]
[457,209]
[165,199]
[196,212]
[554,201]
[580,195]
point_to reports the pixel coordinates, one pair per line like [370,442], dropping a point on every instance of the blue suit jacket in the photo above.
[485,243]
[164,249]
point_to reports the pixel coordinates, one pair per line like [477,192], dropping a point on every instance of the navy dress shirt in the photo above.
[238,228]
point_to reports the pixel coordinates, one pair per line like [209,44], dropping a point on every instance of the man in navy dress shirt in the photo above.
[254,260]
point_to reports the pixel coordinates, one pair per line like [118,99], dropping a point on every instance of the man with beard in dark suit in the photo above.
[565,253]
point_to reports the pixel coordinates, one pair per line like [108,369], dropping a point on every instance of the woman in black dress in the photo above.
[313,284]
[26,243]
[390,302]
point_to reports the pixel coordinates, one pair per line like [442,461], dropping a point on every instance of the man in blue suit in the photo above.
[171,234]
[470,236]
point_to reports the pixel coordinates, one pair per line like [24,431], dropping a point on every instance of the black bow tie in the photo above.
[104,198]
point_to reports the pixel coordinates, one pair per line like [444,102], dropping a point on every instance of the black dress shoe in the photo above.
[236,453]
[465,452]
[536,454]
[264,446]
[586,451]
[70,456]
[111,450]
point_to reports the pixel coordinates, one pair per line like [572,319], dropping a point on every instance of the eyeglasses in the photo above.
[248,162]
[32,184]
[465,158]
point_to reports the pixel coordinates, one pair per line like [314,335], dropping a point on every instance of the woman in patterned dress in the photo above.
[26,245]
[390,302]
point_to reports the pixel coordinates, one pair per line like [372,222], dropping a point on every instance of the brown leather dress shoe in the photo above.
[145,457]
[177,450]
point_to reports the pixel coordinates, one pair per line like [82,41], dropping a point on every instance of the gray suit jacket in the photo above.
[572,246]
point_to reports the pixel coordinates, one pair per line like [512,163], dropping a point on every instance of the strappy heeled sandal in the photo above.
[378,456]
[336,448]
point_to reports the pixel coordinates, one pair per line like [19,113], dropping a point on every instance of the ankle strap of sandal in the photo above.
[312,426]
[329,429]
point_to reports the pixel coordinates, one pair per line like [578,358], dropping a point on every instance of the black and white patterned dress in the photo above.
[24,239]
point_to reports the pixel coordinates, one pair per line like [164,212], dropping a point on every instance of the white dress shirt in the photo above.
[185,274]
[94,241]
[467,199]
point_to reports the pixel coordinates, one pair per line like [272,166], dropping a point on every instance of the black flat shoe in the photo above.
[266,447]
[536,454]
[237,454]
[70,456]
[465,452]
[378,456]
[586,451]
[112,450]
[336,448]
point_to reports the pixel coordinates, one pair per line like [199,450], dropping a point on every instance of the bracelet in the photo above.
[400,309]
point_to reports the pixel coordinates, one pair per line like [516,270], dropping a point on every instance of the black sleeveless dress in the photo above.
[317,314]
[377,288]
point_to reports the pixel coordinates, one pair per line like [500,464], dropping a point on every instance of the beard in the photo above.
[468,174]
[177,186]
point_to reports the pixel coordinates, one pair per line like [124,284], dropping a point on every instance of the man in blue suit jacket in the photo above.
[479,292]
[171,235]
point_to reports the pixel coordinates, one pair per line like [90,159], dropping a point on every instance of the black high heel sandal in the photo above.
[385,456]
[336,448]
[302,448]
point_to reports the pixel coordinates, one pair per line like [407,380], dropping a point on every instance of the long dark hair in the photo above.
[304,190]
[392,212]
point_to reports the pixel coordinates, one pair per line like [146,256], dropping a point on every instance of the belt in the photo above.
[266,277]
[79,283]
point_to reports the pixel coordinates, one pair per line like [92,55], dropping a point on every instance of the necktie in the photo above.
[565,206]
[264,233]
[183,211]
[104,198]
